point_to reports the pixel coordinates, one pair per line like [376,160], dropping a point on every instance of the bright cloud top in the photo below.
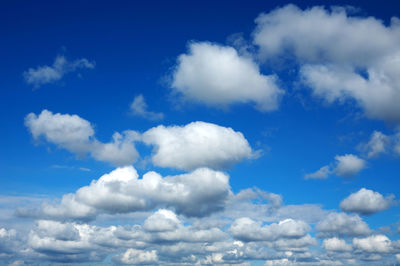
[76,134]
[366,202]
[49,74]
[218,76]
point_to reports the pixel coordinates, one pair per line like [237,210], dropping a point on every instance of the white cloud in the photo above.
[139,108]
[332,48]
[218,76]
[373,244]
[322,173]
[336,244]
[343,224]
[246,229]
[348,165]
[49,74]
[76,134]
[377,144]
[139,257]
[197,193]
[197,144]
[366,202]
[317,35]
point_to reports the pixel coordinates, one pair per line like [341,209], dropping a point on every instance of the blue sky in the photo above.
[258,132]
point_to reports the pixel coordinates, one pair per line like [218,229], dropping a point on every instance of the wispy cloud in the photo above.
[49,74]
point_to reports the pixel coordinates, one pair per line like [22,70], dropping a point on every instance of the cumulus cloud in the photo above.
[246,229]
[348,165]
[218,76]
[330,47]
[76,134]
[139,108]
[318,35]
[336,244]
[366,202]
[340,224]
[373,244]
[197,144]
[197,193]
[49,74]
[139,257]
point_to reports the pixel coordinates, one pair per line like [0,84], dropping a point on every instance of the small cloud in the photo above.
[48,74]
[139,108]
[322,173]
[366,202]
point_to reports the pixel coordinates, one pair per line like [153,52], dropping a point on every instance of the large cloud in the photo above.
[366,202]
[218,76]
[76,134]
[332,48]
[197,144]
[198,193]
[49,74]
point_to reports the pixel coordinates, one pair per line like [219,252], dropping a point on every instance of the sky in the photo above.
[199,133]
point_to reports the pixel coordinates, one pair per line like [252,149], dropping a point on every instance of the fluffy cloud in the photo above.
[373,244]
[76,134]
[331,50]
[246,229]
[49,74]
[342,224]
[218,76]
[366,202]
[336,244]
[198,193]
[197,144]
[139,257]
[317,35]
[139,108]
[348,165]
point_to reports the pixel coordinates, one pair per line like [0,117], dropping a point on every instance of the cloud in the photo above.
[139,257]
[335,244]
[345,166]
[334,60]
[373,244]
[76,135]
[197,144]
[366,202]
[322,173]
[319,36]
[50,74]
[348,165]
[218,76]
[377,144]
[340,224]
[198,193]
[245,229]
[139,108]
